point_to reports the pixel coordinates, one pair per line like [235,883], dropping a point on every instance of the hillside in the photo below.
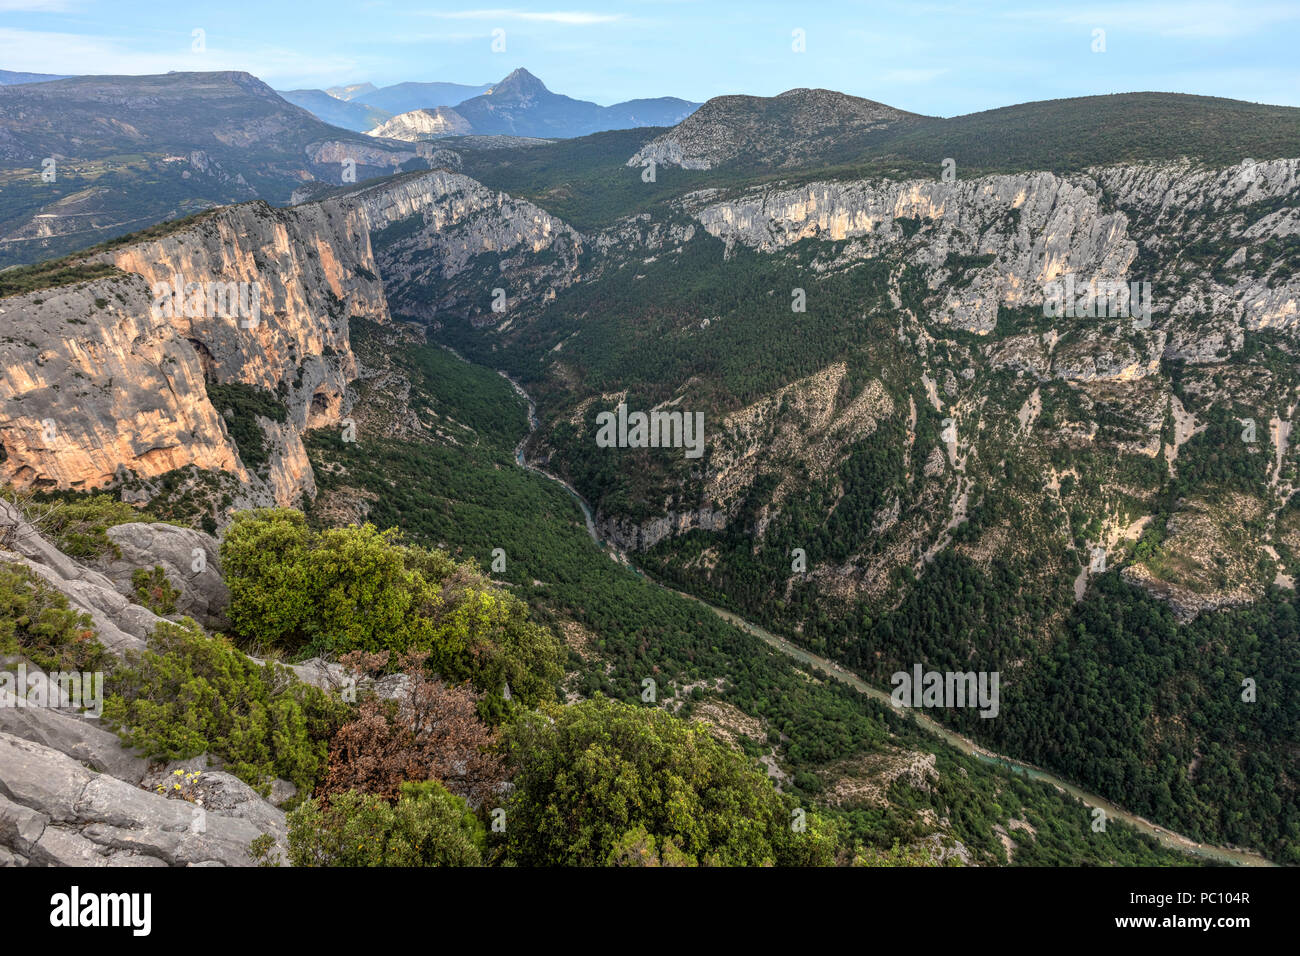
[796,128]
[129,151]
[10,78]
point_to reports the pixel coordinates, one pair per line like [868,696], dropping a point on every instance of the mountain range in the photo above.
[128,151]
[519,105]
[925,446]
[10,78]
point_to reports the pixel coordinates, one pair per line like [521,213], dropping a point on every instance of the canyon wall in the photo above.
[444,242]
[109,374]
[996,240]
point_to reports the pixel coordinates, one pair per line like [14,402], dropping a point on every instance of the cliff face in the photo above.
[1043,412]
[998,240]
[85,390]
[109,374]
[445,242]
[423,124]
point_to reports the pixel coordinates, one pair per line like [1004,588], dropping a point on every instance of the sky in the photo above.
[940,59]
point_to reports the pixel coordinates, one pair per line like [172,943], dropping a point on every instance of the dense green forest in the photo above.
[719,330]
[471,499]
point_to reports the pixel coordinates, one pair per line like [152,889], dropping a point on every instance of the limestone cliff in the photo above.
[109,374]
[1072,420]
[999,240]
[445,242]
[417,125]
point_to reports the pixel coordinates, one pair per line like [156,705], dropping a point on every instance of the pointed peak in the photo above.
[519,81]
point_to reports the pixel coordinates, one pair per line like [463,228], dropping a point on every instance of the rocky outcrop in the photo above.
[1002,240]
[71,734]
[109,374]
[92,383]
[191,561]
[342,154]
[418,125]
[629,535]
[56,812]
[120,625]
[434,230]
[1001,237]
[1243,210]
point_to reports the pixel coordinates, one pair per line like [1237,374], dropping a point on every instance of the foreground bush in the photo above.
[433,733]
[426,827]
[359,589]
[189,694]
[37,623]
[602,782]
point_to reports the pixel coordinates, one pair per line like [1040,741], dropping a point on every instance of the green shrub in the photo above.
[48,275]
[426,827]
[188,694]
[603,782]
[37,623]
[350,589]
[154,591]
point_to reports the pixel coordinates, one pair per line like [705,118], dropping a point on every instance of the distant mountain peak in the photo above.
[350,91]
[519,83]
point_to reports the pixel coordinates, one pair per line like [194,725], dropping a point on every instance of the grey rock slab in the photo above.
[40,777]
[178,551]
[80,738]
[20,827]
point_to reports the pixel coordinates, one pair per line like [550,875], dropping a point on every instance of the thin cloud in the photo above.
[74,53]
[1203,21]
[567,17]
[35,6]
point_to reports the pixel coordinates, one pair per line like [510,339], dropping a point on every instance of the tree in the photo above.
[426,827]
[263,562]
[360,589]
[606,782]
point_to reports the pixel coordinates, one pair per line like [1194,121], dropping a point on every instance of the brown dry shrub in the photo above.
[433,733]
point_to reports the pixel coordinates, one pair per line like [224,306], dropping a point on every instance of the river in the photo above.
[1227,855]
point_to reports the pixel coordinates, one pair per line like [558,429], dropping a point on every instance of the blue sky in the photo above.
[936,58]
